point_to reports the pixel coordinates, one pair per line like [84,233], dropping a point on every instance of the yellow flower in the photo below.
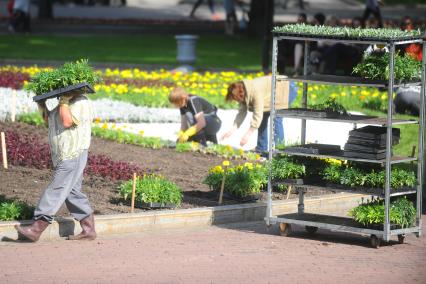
[226,163]
[97,120]
[248,165]
[216,169]
[229,148]
[257,157]
[141,132]
[104,126]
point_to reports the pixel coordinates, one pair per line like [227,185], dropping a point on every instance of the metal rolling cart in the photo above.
[314,221]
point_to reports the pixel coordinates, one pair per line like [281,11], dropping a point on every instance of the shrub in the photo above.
[241,180]
[283,168]
[12,210]
[69,74]
[100,165]
[402,212]
[32,118]
[376,66]
[153,188]
[352,176]
[27,151]
[13,80]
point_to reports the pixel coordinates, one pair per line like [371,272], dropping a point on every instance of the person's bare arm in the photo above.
[65,115]
[65,112]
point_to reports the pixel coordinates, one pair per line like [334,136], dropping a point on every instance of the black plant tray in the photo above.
[379,227]
[156,205]
[371,142]
[342,37]
[311,113]
[80,88]
[317,149]
[368,190]
[376,133]
[362,155]
[289,181]
[365,148]
[249,198]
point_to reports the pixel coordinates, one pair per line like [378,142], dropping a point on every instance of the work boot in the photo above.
[33,231]
[88,233]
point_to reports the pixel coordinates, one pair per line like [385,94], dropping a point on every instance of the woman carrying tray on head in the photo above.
[255,95]
[199,121]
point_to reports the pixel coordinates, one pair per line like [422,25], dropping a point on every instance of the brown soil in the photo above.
[187,170]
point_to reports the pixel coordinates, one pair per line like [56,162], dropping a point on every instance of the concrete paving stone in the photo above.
[226,254]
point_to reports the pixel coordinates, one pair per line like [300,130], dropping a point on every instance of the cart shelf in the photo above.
[345,80]
[340,156]
[335,223]
[358,190]
[350,118]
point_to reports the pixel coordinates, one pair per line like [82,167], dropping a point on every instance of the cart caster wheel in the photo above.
[374,241]
[401,238]
[311,229]
[268,227]
[285,229]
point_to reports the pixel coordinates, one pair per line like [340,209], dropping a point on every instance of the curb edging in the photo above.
[183,218]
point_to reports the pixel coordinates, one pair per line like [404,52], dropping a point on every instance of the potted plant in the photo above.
[153,191]
[242,182]
[372,213]
[375,65]
[286,171]
[350,177]
[346,32]
[77,77]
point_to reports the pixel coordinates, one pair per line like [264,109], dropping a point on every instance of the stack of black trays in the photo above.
[369,142]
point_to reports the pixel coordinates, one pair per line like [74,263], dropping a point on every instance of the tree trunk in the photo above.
[45,9]
[260,25]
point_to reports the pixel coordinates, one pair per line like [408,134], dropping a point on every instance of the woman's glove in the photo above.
[184,135]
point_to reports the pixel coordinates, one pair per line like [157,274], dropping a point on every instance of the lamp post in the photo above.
[186,55]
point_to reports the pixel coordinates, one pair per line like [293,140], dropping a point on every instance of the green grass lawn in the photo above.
[213,51]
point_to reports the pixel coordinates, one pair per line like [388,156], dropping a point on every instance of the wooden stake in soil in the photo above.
[290,187]
[133,193]
[13,106]
[3,150]
[222,186]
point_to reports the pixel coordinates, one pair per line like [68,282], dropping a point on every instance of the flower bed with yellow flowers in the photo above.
[145,88]
[241,180]
[151,88]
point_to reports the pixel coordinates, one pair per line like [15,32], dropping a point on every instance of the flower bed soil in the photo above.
[187,170]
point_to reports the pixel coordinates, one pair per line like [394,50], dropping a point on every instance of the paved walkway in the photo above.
[243,253]
[180,9]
